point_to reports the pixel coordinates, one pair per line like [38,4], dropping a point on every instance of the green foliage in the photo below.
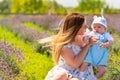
[16,33]
[112,74]
[46,26]
[37,6]
[11,63]
[113,69]
[91,6]
[37,47]
[26,6]
[26,38]
[116,46]
[34,66]
[5,5]
[57,9]
[33,26]
[8,65]
[111,30]
[42,48]
[52,7]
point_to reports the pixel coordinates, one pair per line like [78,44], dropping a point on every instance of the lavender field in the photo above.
[20,54]
[49,23]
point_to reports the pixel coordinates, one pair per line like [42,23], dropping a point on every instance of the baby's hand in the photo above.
[102,44]
[92,40]
[106,44]
[86,39]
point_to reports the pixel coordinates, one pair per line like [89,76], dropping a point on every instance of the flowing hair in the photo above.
[69,28]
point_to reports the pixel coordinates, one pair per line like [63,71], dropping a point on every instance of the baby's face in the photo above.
[99,28]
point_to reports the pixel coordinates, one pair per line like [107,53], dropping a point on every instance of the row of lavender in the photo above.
[8,67]
[15,24]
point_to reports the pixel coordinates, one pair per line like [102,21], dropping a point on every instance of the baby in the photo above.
[97,54]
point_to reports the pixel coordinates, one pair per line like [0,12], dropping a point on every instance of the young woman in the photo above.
[67,55]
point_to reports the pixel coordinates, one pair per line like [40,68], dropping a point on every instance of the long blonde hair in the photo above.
[69,28]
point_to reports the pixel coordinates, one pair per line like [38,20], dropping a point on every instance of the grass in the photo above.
[33,26]
[43,28]
[35,65]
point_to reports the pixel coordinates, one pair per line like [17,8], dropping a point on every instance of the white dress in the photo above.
[72,72]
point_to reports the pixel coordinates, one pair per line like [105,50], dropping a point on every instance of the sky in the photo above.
[73,3]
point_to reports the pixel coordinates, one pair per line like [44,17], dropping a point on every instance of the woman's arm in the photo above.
[76,61]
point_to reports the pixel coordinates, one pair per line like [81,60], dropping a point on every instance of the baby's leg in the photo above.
[101,71]
[83,66]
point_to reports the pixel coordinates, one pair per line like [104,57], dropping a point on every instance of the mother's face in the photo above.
[82,30]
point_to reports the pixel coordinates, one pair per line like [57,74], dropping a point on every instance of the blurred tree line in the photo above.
[52,7]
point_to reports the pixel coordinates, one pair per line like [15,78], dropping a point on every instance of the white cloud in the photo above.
[1,0]
[114,3]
